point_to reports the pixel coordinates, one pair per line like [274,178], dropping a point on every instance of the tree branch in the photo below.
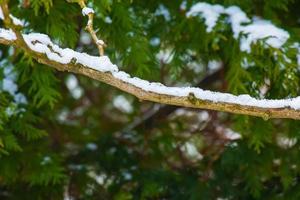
[41,48]
[90,27]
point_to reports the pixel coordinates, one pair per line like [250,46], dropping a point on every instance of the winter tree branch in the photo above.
[44,51]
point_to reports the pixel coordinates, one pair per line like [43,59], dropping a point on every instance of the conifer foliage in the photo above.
[66,136]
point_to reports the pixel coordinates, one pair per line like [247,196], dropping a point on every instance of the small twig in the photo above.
[9,23]
[89,27]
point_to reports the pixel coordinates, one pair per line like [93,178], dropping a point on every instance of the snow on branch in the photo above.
[40,47]
[250,31]
[1,14]
[87,11]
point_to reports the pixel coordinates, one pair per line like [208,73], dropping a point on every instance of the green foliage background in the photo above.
[55,146]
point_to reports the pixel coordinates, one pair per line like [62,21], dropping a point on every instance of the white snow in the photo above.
[100,42]
[231,135]
[214,65]
[183,5]
[46,160]
[196,66]
[155,41]
[91,146]
[237,17]
[228,133]
[250,31]
[191,151]
[1,14]
[127,176]
[7,34]
[121,103]
[298,58]
[285,142]
[85,38]
[163,11]
[165,56]
[262,29]
[42,44]
[246,63]
[16,21]
[63,116]
[108,20]
[71,82]
[20,98]
[203,116]
[73,86]
[8,84]
[86,11]
[209,12]
[101,179]
[206,94]
[296,45]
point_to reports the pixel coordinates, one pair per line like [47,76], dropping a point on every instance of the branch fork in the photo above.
[90,27]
